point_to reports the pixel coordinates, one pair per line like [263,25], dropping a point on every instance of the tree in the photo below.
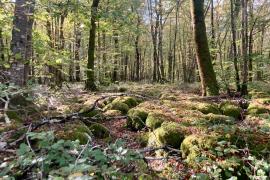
[244,32]
[90,82]
[21,43]
[207,74]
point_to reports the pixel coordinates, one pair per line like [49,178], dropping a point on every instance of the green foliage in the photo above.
[63,158]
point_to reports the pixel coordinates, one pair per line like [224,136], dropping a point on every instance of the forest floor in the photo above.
[215,128]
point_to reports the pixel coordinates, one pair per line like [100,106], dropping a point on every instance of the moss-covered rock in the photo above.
[136,118]
[167,96]
[265,101]
[117,106]
[154,120]
[99,131]
[143,139]
[206,108]
[230,109]
[193,145]
[74,131]
[112,113]
[170,133]
[256,109]
[93,114]
[130,101]
[219,119]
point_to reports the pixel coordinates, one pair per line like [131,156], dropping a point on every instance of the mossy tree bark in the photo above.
[21,43]
[90,82]
[208,77]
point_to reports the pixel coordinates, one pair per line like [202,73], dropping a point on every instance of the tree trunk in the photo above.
[21,43]
[78,35]
[234,14]
[90,82]
[244,90]
[207,74]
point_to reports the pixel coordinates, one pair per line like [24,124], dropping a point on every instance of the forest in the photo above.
[135,89]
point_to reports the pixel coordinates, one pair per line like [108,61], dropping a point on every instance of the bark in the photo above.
[244,90]
[78,35]
[234,14]
[2,47]
[21,43]
[137,49]
[115,63]
[90,82]
[207,74]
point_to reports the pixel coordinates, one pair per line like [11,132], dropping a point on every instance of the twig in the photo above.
[87,144]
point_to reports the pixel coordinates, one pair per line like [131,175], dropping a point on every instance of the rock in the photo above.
[74,131]
[206,108]
[256,109]
[170,133]
[154,120]
[99,131]
[117,106]
[192,146]
[230,109]
[130,101]
[136,118]
[113,113]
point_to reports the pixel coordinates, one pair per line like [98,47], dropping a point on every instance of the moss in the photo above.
[14,115]
[117,106]
[130,101]
[154,120]
[143,139]
[170,133]
[168,97]
[255,109]
[93,114]
[206,108]
[112,113]
[265,101]
[136,118]
[74,131]
[219,119]
[99,131]
[192,146]
[230,109]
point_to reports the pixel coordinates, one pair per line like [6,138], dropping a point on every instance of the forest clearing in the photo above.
[134,89]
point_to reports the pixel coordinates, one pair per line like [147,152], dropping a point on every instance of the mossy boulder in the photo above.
[219,119]
[193,145]
[170,133]
[154,120]
[112,113]
[206,108]
[130,101]
[265,101]
[143,139]
[99,131]
[136,118]
[117,106]
[93,114]
[256,109]
[230,109]
[74,131]
[168,97]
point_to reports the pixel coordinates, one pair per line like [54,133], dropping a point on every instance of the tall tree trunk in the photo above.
[244,90]
[116,56]
[78,35]
[250,41]
[21,43]
[137,49]
[90,82]
[2,48]
[207,74]
[234,14]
